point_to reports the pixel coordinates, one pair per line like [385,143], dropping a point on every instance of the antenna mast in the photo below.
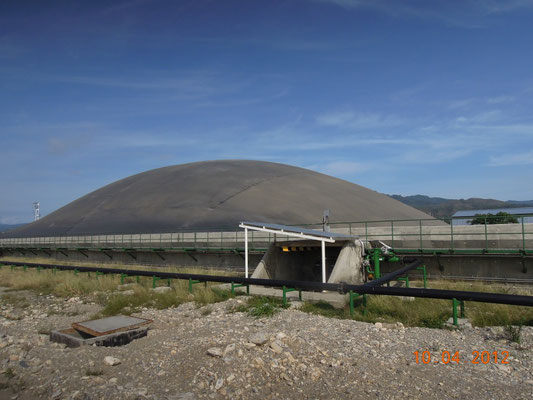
[36,211]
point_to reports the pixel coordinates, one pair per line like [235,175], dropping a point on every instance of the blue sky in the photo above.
[404,97]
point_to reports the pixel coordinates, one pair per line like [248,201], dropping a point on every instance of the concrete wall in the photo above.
[349,265]
[511,268]
[170,258]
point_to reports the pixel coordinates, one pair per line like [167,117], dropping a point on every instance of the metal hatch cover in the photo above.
[106,326]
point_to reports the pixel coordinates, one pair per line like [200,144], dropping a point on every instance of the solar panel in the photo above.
[296,229]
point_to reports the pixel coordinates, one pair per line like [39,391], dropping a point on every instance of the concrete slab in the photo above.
[73,338]
[106,326]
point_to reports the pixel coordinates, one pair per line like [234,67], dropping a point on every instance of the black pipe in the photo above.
[394,274]
[307,285]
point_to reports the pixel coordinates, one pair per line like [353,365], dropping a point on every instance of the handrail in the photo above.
[389,230]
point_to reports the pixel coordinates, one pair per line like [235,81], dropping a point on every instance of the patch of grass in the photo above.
[206,311]
[261,306]
[9,373]
[119,303]
[62,283]
[94,372]
[133,266]
[16,300]
[325,309]
[44,330]
[209,295]
[514,333]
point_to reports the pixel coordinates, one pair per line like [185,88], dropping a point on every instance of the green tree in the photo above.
[490,219]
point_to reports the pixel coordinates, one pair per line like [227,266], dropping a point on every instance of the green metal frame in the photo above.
[194,282]
[353,297]
[461,305]
[234,286]
[287,290]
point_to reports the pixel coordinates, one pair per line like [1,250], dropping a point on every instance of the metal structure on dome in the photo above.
[36,211]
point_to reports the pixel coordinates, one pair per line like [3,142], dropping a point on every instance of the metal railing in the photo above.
[407,234]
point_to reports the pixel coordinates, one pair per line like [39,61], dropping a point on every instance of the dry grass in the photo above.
[185,270]
[105,289]
[431,313]
[420,312]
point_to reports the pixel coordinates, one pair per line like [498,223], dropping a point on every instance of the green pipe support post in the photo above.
[406,279]
[376,253]
[456,303]
[138,279]
[98,273]
[353,296]
[122,276]
[154,281]
[39,268]
[424,275]
[25,267]
[233,286]
[193,282]
[287,290]
[76,272]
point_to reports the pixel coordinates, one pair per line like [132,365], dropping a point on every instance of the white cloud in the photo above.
[511,159]
[342,169]
[358,121]
[500,99]
[469,14]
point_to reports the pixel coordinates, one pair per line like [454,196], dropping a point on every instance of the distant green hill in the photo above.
[445,208]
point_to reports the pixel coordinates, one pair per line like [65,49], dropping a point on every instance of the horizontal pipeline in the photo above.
[389,277]
[342,287]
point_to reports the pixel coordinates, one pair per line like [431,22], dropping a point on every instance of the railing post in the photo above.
[486,237]
[420,228]
[454,306]
[523,235]
[392,233]
[351,304]
[451,233]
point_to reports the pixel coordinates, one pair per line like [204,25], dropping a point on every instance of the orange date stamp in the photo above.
[448,357]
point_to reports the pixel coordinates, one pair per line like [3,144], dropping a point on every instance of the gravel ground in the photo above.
[214,352]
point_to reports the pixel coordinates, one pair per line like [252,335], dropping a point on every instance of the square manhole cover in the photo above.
[106,326]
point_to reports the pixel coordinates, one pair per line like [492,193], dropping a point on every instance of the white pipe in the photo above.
[246,253]
[323,261]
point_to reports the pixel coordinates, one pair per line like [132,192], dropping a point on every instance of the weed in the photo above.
[16,300]
[93,372]
[259,307]
[514,333]
[9,373]
[326,309]
[206,311]
[44,331]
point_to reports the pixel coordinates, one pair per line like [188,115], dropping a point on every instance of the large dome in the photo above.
[216,195]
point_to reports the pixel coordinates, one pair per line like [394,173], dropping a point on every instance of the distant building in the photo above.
[464,217]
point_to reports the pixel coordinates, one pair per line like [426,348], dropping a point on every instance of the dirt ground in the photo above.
[214,352]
